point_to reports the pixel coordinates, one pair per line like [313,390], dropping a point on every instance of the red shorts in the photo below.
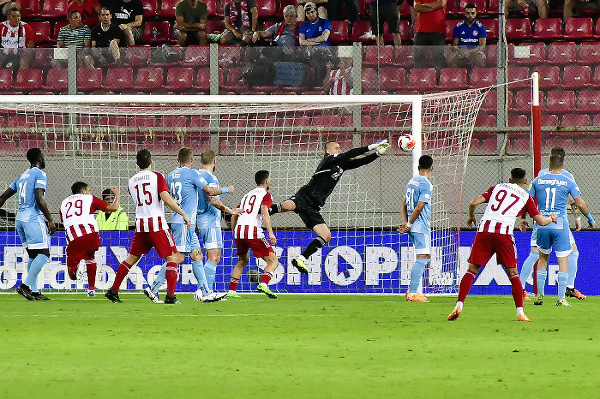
[487,244]
[161,240]
[83,247]
[260,246]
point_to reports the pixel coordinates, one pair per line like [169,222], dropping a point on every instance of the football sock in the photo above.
[121,273]
[459,304]
[275,208]
[562,284]
[416,274]
[573,260]
[36,266]
[541,280]
[210,269]
[527,267]
[91,273]
[465,285]
[517,290]
[171,275]
[520,311]
[313,247]
[266,277]
[198,269]
[160,278]
[233,283]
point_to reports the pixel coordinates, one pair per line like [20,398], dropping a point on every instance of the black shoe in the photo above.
[171,299]
[112,295]
[39,297]
[24,290]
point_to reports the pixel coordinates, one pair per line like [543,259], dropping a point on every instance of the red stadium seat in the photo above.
[233,81]
[575,120]
[560,101]
[403,27]
[453,79]
[149,79]
[587,146]
[203,80]
[213,8]
[229,56]
[422,79]
[179,79]
[493,7]
[57,80]
[518,29]
[522,101]
[404,56]
[480,4]
[118,79]
[527,54]
[518,120]
[564,142]
[519,75]
[588,101]
[549,76]
[150,8]
[89,79]
[359,28]
[492,29]
[549,120]
[29,8]
[483,77]
[491,55]
[167,9]
[215,26]
[548,29]
[57,26]
[561,53]
[392,79]
[451,8]
[576,76]
[370,81]
[29,79]
[54,9]
[136,56]
[196,56]
[266,8]
[579,29]
[162,29]
[588,54]
[42,32]
[450,24]
[339,32]
[378,55]
[6,79]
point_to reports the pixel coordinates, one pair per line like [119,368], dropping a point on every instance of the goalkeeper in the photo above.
[310,198]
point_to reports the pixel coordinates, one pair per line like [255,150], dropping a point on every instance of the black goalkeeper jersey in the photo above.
[329,172]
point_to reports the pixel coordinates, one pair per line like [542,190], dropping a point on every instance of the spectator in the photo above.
[523,6]
[339,81]
[89,10]
[190,22]
[105,35]
[77,35]
[16,35]
[430,31]
[6,6]
[572,4]
[117,220]
[335,9]
[283,33]
[241,20]
[468,41]
[321,9]
[129,16]
[315,31]
[381,11]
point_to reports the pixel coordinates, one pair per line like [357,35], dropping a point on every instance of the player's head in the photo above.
[143,159]
[185,155]
[36,158]
[108,196]
[262,178]
[332,147]
[208,157]
[517,175]
[425,162]
[80,187]
[556,161]
[557,151]
[470,13]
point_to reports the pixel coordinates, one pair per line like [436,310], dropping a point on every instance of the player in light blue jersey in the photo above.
[185,186]
[31,220]
[573,257]
[209,217]
[416,214]
[552,191]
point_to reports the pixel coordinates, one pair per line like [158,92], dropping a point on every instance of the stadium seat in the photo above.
[450,24]
[518,120]
[29,79]
[482,77]
[527,54]
[29,8]
[392,79]
[561,53]
[451,8]
[42,32]
[520,76]
[6,79]
[339,32]
[587,146]
[215,26]
[491,100]
[54,9]
[588,54]
[149,79]
[492,29]
[213,8]
[196,56]
[480,4]
[162,30]
[118,79]
[588,101]
[575,121]
[549,120]
[203,80]
[404,56]
[549,76]
[577,76]
[518,29]
[89,79]
[57,80]
[522,101]
[174,121]
[422,79]
[403,27]
[57,26]
[560,101]
[579,29]
[453,79]
[378,55]
[229,56]
[493,7]
[136,56]
[150,8]
[548,29]
[167,9]
[359,28]
[179,79]
[233,81]
[266,8]
[370,81]
[564,142]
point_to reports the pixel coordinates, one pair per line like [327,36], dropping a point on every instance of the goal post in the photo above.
[95,139]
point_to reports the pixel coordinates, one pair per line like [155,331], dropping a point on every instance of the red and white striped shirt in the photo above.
[15,37]
[506,201]
[249,223]
[77,214]
[145,188]
[338,83]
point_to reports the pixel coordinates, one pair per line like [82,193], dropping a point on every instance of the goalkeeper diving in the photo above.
[310,198]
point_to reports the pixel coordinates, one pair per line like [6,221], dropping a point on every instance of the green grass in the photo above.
[297,346]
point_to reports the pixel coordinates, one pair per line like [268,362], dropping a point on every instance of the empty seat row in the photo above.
[557,53]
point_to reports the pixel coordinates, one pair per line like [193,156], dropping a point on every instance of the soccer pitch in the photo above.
[297,346]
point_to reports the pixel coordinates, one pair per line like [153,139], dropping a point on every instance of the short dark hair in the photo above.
[261,176]
[425,162]
[73,12]
[143,158]
[78,186]
[34,155]
[107,192]
[470,5]
[106,8]
[556,161]
[517,174]
[557,151]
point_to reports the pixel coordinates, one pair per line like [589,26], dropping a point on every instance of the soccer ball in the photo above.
[406,142]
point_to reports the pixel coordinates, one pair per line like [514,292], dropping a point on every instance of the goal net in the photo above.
[95,138]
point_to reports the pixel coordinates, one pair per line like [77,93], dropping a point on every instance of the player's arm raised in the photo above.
[479,200]
[264,210]
[171,203]
[117,202]
[41,202]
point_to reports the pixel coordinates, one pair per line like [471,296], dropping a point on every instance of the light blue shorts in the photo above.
[421,242]
[534,236]
[34,235]
[185,239]
[557,239]
[211,237]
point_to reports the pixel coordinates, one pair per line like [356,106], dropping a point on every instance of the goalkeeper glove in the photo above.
[382,148]
[377,144]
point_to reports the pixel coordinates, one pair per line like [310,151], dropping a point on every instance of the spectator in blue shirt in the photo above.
[315,31]
[468,41]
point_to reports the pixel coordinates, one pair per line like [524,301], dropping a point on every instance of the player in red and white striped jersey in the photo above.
[83,240]
[248,234]
[150,193]
[505,201]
